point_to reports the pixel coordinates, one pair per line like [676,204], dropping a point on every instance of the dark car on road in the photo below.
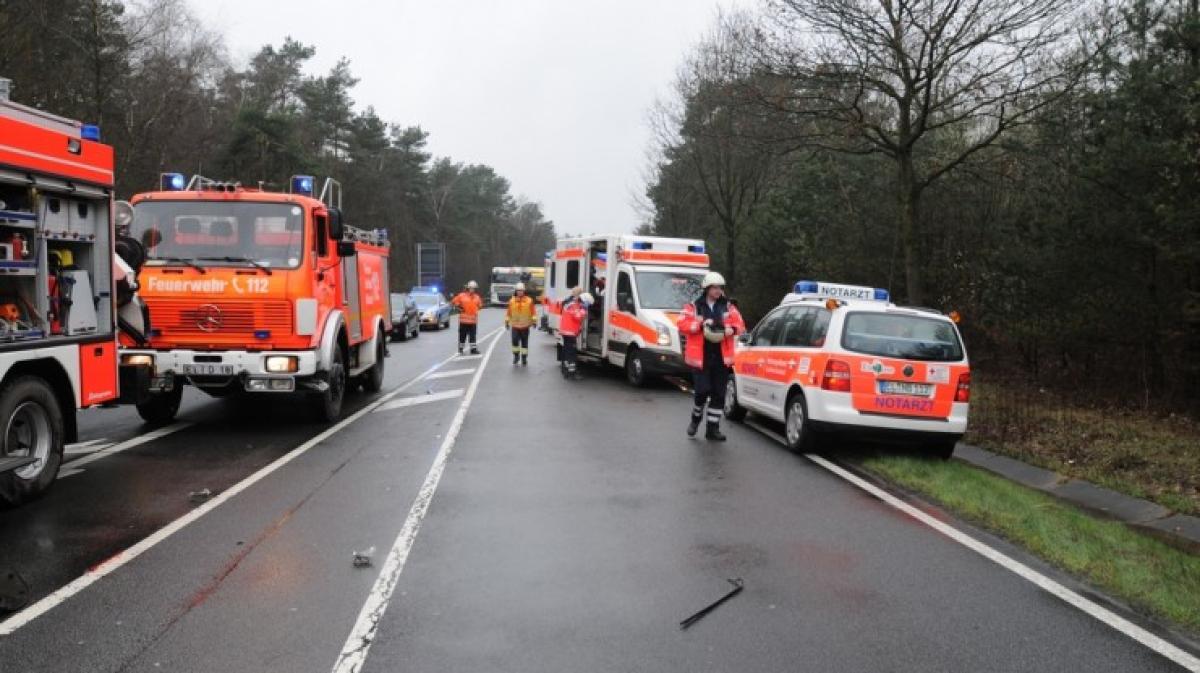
[406,317]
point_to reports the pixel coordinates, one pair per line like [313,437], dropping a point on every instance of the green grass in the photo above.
[1156,457]
[1148,574]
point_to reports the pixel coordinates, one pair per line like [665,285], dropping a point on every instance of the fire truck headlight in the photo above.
[282,364]
[664,334]
[137,360]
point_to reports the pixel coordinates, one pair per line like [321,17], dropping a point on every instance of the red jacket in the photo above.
[692,326]
[572,318]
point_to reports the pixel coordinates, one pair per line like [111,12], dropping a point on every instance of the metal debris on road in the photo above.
[738,585]
[14,591]
[362,559]
[200,496]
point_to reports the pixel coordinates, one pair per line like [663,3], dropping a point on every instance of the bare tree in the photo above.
[927,83]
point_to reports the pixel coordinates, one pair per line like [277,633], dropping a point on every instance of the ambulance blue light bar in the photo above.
[836,291]
[698,249]
[90,132]
[641,245]
[172,182]
[303,184]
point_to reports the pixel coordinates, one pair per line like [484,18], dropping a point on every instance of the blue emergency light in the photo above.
[435,288]
[882,295]
[806,287]
[642,245]
[90,132]
[262,334]
[302,184]
[699,249]
[172,182]
[836,291]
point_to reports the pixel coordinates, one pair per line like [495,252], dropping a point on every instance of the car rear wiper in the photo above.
[181,260]
[245,260]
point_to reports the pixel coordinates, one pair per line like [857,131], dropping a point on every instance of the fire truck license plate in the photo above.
[905,388]
[208,370]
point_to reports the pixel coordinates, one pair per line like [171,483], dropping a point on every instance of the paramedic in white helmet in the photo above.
[710,325]
[573,315]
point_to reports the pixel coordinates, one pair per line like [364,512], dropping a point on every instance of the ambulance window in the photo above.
[764,333]
[820,328]
[573,273]
[796,328]
[553,275]
[625,293]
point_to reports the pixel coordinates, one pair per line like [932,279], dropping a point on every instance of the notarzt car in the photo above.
[842,359]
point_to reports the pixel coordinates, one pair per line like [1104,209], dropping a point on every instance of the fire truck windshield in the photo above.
[221,233]
[668,290]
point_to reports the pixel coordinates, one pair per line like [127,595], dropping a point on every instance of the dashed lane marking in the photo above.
[450,373]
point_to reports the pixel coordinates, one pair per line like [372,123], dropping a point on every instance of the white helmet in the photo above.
[519,288]
[712,278]
[472,285]
[587,299]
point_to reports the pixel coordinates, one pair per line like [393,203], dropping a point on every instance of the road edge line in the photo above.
[358,644]
[10,625]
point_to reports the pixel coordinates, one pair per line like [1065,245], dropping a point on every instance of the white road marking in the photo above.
[421,399]
[95,573]
[358,644]
[449,373]
[469,357]
[80,446]
[92,457]
[1092,609]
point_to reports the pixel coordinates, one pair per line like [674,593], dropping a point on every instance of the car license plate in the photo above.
[204,369]
[905,388]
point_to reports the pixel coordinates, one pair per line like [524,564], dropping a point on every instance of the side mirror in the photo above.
[122,216]
[346,249]
[744,338]
[336,228]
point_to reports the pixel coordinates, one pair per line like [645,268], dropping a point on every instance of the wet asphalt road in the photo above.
[574,526]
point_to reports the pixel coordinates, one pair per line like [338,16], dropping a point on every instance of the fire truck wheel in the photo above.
[372,380]
[33,428]
[733,411]
[635,367]
[161,407]
[328,405]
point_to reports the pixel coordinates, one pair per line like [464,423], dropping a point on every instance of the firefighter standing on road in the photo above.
[469,303]
[572,322]
[520,318]
[711,325]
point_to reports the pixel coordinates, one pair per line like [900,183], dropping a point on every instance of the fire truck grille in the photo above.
[220,318]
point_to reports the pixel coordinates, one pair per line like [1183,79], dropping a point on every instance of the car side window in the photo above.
[796,330]
[625,293]
[764,333]
[820,328]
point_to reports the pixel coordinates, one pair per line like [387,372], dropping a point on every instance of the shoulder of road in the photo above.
[1180,530]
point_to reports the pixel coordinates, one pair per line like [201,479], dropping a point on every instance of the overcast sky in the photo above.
[552,93]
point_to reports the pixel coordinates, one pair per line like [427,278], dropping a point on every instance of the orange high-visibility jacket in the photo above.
[691,323]
[522,312]
[469,305]
[572,318]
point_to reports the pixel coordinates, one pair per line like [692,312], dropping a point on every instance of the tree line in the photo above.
[1032,164]
[168,98]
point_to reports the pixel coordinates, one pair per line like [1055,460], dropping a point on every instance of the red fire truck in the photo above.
[258,292]
[58,308]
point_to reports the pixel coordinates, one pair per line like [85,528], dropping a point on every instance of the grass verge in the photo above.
[1142,454]
[1148,574]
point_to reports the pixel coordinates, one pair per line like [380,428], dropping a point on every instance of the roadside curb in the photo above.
[1179,530]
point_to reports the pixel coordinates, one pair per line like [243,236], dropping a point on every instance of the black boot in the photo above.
[693,426]
[516,358]
[713,432]
[524,360]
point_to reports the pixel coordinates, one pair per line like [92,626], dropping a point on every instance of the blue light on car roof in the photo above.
[806,287]
[302,184]
[172,182]
[882,295]
[90,132]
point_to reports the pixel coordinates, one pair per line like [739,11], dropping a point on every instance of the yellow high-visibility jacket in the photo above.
[522,312]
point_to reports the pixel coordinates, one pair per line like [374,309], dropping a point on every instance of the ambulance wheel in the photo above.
[161,407]
[733,411]
[797,430]
[328,404]
[33,428]
[944,449]
[635,367]
[372,381]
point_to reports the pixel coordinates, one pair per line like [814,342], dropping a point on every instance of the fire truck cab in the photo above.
[640,284]
[257,291]
[58,348]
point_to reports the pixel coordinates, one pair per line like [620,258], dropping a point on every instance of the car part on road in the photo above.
[738,585]
[200,496]
[362,559]
[635,368]
[14,591]
[799,431]
[31,445]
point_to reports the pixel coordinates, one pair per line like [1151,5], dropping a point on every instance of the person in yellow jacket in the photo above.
[469,303]
[520,319]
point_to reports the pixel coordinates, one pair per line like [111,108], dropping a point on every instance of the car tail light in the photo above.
[837,377]
[963,392]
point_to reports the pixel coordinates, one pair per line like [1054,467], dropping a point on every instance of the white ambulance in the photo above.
[641,284]
[842,359]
